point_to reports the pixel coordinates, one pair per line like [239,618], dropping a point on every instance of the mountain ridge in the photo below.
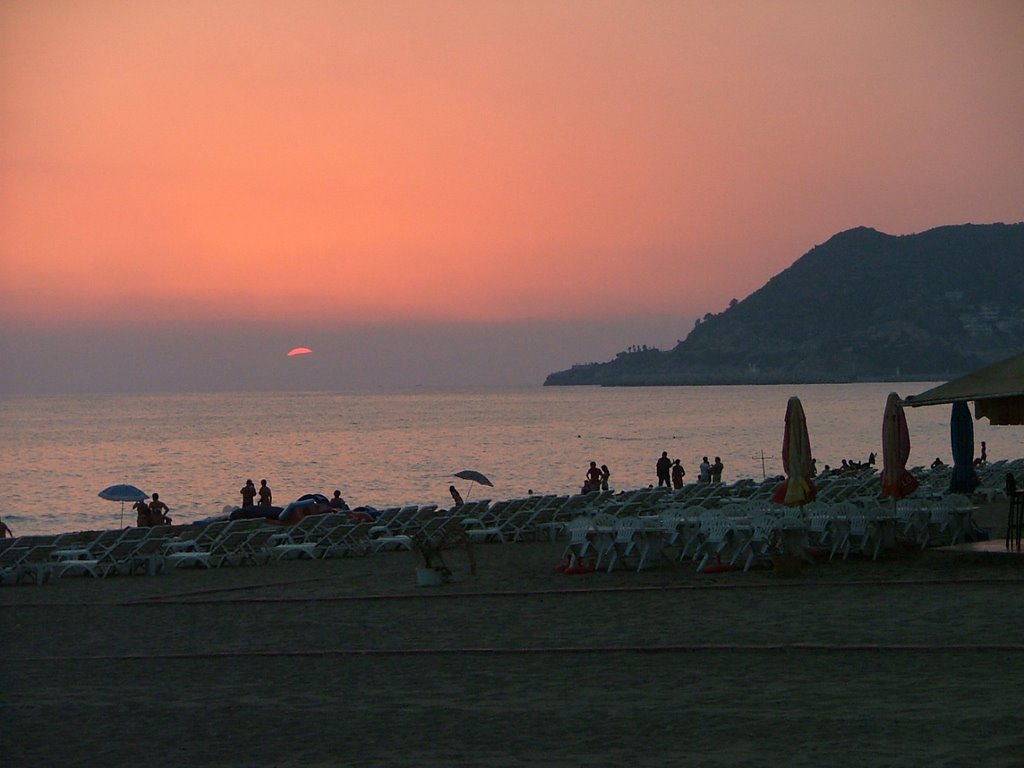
[863,306]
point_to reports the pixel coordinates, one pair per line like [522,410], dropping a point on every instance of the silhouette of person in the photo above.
[337,502]
[705,470]
[663,468]
[594,476]
[678,473]
[142,514]
[158,511]
[248,494]
[5,532]
[266,497]
[605,474]
[716,470]
[456,496]
[982,460]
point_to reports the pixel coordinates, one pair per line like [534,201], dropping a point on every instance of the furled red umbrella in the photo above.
[961,433]
[897,482]
[798,489]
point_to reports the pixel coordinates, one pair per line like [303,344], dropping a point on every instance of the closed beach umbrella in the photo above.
[961,433]
[123,492]
[798,489]
[897,482]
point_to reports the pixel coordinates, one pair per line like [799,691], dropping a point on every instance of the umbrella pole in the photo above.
[122,514]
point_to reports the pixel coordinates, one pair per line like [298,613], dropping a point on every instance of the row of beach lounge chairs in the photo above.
[705,523]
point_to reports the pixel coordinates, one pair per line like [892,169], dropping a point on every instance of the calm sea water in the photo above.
[197,450]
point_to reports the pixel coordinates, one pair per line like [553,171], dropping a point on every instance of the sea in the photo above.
[196,450]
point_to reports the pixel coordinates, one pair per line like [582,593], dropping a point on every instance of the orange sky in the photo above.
[363,162]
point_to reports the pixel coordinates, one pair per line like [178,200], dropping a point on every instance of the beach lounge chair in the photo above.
[31,562]
[580,545]
[757,545]
[130,554]
[383,538]
[242,545]
[717,534]
[863,533]
[303,538]
[624,542]
[197,547]
[347,538]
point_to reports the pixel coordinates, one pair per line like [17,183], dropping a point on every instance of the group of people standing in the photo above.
[671,472]
[597,478]
[249,493]
[152,512]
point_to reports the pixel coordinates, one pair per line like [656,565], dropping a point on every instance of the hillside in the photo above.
[864,306]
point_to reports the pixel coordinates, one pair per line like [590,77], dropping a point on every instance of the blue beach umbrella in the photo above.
[122,492]
[961,433]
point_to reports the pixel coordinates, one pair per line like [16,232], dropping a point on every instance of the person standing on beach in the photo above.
[248,494]
[158,511]
[982,460]
[716,470]
[141,514]
[664,468]
[594,476]
[678,473]
[266,497]
[705,471]
[605,474]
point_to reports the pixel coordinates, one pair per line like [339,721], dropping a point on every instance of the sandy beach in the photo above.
[911,660]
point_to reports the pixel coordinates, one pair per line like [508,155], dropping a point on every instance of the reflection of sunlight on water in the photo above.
[381,450]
